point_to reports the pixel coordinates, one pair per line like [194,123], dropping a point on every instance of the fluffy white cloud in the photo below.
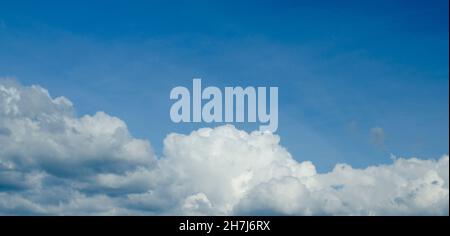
[216,168]
[53,162]
[41,132]
[45,148]
[407,187]
[228,171]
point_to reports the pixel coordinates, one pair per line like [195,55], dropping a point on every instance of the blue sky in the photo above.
[342,69]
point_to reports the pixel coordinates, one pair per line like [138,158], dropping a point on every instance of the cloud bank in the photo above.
[54,162]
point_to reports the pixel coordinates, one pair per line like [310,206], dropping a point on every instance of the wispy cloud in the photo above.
[377,137]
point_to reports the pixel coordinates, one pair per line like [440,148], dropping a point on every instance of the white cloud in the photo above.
[45,148]
[227,171]
[43,133]
[407,187]
[53,162]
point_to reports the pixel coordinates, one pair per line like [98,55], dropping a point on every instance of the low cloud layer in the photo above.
[53,162]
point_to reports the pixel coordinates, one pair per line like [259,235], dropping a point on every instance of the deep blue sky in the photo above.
[342,67]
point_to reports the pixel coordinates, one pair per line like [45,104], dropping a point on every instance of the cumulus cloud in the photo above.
[44,147]
[53,162]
